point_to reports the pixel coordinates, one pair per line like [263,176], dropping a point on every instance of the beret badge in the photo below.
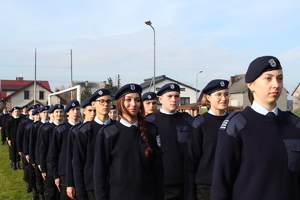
[272,63]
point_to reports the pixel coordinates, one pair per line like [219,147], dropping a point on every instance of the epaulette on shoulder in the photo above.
[233,123]
[199,119]
[150,117]
[187,116]
[110,130]
[295,119]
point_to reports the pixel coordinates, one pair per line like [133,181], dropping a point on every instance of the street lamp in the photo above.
[200,71]
[148,22]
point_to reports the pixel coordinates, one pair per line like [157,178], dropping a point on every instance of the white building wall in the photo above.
[18,98]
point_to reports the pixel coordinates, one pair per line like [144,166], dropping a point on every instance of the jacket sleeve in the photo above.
[157,167]
[69,166]
[227,162]
[80,150]
[194,149]
[54,152]
[101,166]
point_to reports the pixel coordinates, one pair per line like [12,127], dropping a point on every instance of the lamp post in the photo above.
[200,71]
[148,22]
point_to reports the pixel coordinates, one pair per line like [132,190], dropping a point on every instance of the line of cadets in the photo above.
[58,156]
[144,155]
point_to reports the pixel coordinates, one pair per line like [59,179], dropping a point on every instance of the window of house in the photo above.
[26,94]
[41,95]
[184,100]
[182,89]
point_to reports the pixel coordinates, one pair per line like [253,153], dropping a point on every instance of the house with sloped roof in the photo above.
[20,92]
[187,93]
[238,91]
[296,97]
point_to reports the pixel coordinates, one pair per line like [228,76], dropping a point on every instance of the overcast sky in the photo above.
[110,38]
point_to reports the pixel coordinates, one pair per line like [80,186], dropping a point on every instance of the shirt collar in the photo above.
[126,123]
[212,113]
[96,119]
[261,110]
[165,112]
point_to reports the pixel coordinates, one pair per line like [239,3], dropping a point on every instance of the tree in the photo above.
[87,92]
[111,87]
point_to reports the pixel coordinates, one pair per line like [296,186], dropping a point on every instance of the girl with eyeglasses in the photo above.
[258,151]
[128,158]
[203,139]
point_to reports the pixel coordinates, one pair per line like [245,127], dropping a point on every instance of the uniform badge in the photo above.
[100,92]
[272,63]
[73,104]
[149,96]
[132,87]
[58,106]
[172,86]
[158,141]
[222,83]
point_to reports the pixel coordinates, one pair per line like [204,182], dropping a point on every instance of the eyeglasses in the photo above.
[102,101]
[220,95]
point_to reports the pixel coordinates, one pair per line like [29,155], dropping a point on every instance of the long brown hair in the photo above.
[250,96]
[142,123]
[205,102]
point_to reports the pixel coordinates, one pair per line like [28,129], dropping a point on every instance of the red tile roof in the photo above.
[17,84]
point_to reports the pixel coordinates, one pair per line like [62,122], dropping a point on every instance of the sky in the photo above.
[108,38]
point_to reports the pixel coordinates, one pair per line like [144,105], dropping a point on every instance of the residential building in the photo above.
[20,92]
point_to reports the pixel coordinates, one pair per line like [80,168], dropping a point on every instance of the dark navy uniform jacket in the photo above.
[84,149]
[20,133]
[173,131]
[257,157]
[58,149]
[46,139]
[122,170]
[38,143]
[26,137]
[32,140]
[71,138]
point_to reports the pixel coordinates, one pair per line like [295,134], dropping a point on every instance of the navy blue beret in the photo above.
[25,106]
[149,96]
[36,111]
[15,108]
[71,104]
[167,88]
[113,107]
[86,102]
[99,93]
[56,106]
[260,65]
[32,107]
[215,85]
[44,108]
[128,88]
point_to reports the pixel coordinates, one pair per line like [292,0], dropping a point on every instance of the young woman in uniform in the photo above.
[258,151]
[203,138]
[128,158]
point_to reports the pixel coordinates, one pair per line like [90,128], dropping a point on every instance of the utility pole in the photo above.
[34,85]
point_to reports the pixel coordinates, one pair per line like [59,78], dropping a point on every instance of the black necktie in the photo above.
[270,114]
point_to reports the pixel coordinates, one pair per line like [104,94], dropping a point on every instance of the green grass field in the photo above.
[12,185]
